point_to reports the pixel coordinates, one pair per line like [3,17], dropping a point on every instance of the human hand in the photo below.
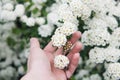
[40,61]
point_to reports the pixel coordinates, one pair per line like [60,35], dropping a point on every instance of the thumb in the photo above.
[37,58]
[34,43]
[34,52]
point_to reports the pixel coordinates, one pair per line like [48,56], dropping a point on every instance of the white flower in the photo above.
[99,36]
[112,54]
[30,21]
[86,12]
[21,70]
[61,61]
[111,22]
[19,10]
[38,1]
[9,72]
[77,7]
[85,78]
[115,38]
[90,64]
[112,72]
[67,29]
[65,14]
[52,18]
[95,23]
[11,16]
[97,55]
[59,40]
[63,1]
[24,18]
[40,20]
[82,73]
[7,16]
[8,6]
[95,77]
[45,30]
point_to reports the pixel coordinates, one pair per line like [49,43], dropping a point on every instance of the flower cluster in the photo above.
[61,61]
[99,55]
[112,72]
[59,39]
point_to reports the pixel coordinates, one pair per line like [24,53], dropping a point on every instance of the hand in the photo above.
[40,62]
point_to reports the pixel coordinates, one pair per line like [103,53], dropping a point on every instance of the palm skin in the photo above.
[40,61]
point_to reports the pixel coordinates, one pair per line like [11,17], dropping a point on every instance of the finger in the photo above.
[73,65]
[59,51]
[50,48]
[75,37]
[76,49]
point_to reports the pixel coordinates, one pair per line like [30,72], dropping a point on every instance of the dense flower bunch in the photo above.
[98,20]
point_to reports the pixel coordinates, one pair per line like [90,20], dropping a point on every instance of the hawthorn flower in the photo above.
[59,40]
[61,61]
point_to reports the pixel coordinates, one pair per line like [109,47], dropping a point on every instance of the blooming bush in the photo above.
[56,20]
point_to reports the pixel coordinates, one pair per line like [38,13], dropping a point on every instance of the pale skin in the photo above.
[40,61]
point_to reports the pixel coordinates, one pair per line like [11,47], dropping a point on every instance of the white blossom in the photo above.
[82,73]
[95,77]
[65,14]
[45,30]
[9,72]
[112,54]
[67,29]
[111,22]
[61,61]
[97,36]
[112,72]
[8,6]
[59,40]
[7,16]
[97,55]
[95,23]
[115,38]
[38,1]
[40,20]
[19,10]
[24,18]
[30,22]
[21,70]
[52,18]
[77,7]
